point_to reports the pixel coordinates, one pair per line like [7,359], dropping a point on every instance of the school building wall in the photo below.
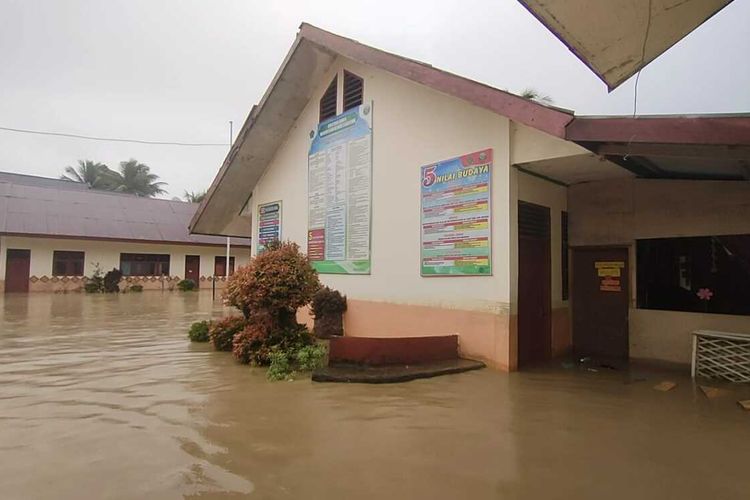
[620,212]
[107,255]
[413,126]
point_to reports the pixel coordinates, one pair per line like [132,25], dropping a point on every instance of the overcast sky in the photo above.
[181,70]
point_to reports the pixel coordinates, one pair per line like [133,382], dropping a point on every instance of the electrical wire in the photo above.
[114,139]
[643,58]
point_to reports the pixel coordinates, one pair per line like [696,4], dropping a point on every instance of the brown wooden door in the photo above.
[600,302]
[17,269]
[534,276]
[193,268]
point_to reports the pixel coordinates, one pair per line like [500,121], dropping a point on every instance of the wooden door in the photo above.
[17,269]
[534,284]
[193,268]
[600,302]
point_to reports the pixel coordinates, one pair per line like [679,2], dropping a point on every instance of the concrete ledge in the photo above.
[394,373]
[379,351]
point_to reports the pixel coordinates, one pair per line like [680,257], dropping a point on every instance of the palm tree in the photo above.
[535,95]
[136,178]
[193,197]
[94,174]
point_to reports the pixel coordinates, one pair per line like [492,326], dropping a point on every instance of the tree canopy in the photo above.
[133,177]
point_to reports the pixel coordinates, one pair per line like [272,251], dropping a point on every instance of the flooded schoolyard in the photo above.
[104,397]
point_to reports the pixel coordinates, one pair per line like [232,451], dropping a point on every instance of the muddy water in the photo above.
[103,397]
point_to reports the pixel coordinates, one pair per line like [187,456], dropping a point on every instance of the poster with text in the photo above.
[456,216]
[269,224]
[339,173]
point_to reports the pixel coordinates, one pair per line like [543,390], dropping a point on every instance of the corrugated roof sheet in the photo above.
[42,206]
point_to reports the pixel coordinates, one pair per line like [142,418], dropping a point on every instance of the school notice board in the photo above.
[269,224]
[339,175]
[456,216]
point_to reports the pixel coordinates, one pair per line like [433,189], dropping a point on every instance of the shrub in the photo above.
[311,357]
[186,285]
[112,281]
[136,288]
[284,362]
[199,331]
[328,301]
[327,307]
[277,283]
[95,283]
[221,332]
[280,368]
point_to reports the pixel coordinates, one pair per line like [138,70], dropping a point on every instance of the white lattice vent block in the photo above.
[721,355]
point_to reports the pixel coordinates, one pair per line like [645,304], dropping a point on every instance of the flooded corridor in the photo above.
[104,397]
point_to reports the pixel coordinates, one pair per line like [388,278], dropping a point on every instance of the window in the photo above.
[144,264]
[220,266]
[66,263]
[328,101]
[353,89]
[564,254]
[701,274]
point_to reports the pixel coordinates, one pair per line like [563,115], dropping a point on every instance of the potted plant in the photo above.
[328,307]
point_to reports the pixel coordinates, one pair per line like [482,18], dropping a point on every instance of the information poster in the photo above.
[609,274]
[339,193]
[269,224]
[456,216]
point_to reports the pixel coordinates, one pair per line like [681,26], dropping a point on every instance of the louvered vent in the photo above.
[353,89]
[533,220]
[328,101]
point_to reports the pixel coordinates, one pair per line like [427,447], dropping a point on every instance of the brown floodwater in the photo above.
[104,397]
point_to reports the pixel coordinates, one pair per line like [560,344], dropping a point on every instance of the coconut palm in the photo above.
[193,197]
[535,95]
[136,178]
[94,174]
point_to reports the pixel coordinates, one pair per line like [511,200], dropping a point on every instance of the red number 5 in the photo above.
[428,176]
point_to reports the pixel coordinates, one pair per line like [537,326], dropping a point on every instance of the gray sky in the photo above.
[180,70]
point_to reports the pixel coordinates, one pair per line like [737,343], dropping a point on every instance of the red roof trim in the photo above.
[519,109]
[713,130]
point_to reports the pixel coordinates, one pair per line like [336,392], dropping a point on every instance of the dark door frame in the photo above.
[527,350]
[10,278]
[188,267]
[628,277]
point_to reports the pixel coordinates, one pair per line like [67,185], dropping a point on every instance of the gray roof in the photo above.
[41,206]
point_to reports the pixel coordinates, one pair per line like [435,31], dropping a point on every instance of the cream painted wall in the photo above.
[529,144]
[107,254]
[412,126]
[620,212]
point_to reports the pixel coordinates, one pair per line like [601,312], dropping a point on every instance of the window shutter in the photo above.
[328,101]
[353,90]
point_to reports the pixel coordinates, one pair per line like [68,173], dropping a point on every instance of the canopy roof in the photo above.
[617,38]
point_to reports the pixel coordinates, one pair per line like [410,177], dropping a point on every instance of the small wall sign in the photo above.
[610,275]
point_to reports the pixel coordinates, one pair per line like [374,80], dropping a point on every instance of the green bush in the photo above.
[95,283]
[136,288]
[112,281]
[280,367]
[283,363]
[186,285]
[199,331]
[310,357]
[221,332]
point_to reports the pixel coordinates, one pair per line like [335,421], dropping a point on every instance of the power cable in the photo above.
[114,139]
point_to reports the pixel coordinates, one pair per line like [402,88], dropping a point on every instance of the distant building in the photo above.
[53,234]
[440,205]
